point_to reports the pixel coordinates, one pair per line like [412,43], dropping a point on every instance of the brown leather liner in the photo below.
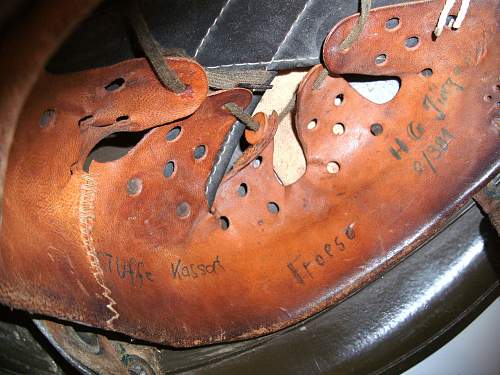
[268,255]
[26,47]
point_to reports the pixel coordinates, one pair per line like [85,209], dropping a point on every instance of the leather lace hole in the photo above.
[450,20]
[122,118]
[312,124]
[169,169]
[115,85]
[173,133]
[183,210]
[134,186]
[86,120]
[339,99]
[200,151]
[47,118]
[257,162]
[333,167]
[242,190]
[412,42]
[381,59]
[224,223]
[338,129]
[392,23]
[427,72]
[376,129]
[488,98]
[273,207]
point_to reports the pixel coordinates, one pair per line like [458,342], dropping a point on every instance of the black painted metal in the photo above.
[237,34]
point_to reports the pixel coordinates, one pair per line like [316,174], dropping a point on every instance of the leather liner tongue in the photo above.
[132,247]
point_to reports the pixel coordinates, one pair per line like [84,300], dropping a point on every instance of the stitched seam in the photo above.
[263,62]
[291,29]
[86,210]
[210,28]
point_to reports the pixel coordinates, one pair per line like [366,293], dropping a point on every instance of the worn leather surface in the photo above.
[275,255]
[42,188]
[385,328]
[20,67]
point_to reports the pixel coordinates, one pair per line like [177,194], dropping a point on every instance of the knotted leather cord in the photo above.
[241,115]
[152,50]
[349,39]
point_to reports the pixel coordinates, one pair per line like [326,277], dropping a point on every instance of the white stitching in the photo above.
[264,62]
[291,28]
[88,190]
[210,28]
[238,64]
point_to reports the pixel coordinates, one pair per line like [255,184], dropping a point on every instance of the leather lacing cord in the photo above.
[152,50]
[349,39]
[171,81]
[242,116]
[166,75]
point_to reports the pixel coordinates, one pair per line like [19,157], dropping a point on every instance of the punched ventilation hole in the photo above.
[333,167]
[376,129]
[183,210]
[134,186]
[312,124]
[339,99]
[412,42]
[273,207]
[48,117]
[169,169]
[200,151]
[115,85]
[427,72]
[338,129]
[381,59]
[242,190]
[257,162]
[392,23]
[173,133]
[224,222]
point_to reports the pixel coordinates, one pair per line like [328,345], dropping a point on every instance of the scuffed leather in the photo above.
[268,258]
[43,183]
